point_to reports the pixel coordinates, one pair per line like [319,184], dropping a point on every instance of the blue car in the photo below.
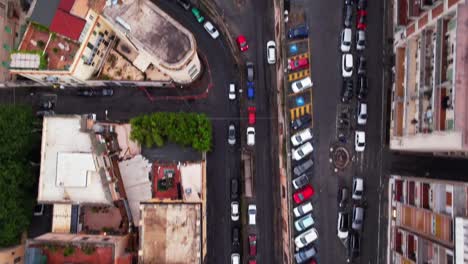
[250,90]
[301,31]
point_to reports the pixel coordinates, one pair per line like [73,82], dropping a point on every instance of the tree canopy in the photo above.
[16,181]
[185,129]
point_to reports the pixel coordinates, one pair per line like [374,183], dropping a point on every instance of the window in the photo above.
[448,198]
[90,46]
[91,17]
[17,260]
[98,24]
[283,191]
[106,32]
[94,33]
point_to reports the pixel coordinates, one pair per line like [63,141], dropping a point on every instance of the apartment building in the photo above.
[429,93]
[97,42]
[428,221]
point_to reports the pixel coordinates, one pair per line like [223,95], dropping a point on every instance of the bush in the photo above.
[68,250]
[88,249]
[41,44]
[55,50]
[185,129]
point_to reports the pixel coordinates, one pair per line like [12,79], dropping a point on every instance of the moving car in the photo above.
[271,52]
[304,255]
[346,40]
[252,213]
[347,90]
[354,246]
[362,65]
[90,92]
[232,134]
[301,85]
[302,151]
[298,64]
[360,40]
[301,136]
[301,122]
[235,211]
[242,43]
[304,222]
[252,245]
[360,141]
[343,225]
[235,258]
[234,189]
[306,238]
[348,15]
[343,197]
[300,31]
[42,113]
[250,90]
[232,91]
[235,236]
[211,30]
[303,167]
[184,4]
[303,194]
[358,218]
[197,14]
[362,114]
[361,19]
[347,65]
[250,71]
[300,181]
[251,110]
[303,209]
[362,87]
[362,4]
[358,188]
[250,136]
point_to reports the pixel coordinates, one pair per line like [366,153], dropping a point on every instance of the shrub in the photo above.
[55,50]
[41,44]
[88,249]
[68,250]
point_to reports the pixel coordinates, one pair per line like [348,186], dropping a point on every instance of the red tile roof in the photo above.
[66,5]
[67,25]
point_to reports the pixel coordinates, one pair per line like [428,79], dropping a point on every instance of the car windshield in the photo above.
[231,132]
[243,44]
[298,138]
[364,116]
[299,85]
[300,152]
[301,196]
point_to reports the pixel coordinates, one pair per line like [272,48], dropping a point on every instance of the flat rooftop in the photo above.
[68,171]
[160,34]
[170,233]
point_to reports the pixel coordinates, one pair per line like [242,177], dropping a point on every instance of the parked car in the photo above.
[302,151]
[347,65]
[361,19]
[250,71]
[358,218]
[304,255]
[362,114]
[348,15]
[343,225]
[301,122]
[303,194]
[252,245]
[250,90]
[232,134]
[362,4]
[42,113]
[360,40]
[234,189]
[251,110]
[300,31]
[197,14]
[304,222]
[306,238]
[235,236]
[184,4]
[90,92]
[271,52]
[235,211]
[242,43]
[358,188]
[301,137]
[301,85]
[300,181]
[252,261]
[211,30]
[346,39]
[298,64]
[360,141]
[354,246]
[362,87]
[343,197]
[250,136]
[362,66]
[232,91]
[252,212]
[235,258]
[302,209]
[303,167]
[347,90]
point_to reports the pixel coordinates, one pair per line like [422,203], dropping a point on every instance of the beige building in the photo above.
[84,42]
[429,94]
[12,255]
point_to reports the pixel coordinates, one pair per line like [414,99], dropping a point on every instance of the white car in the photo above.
[271,52]
[302,151]
[232,91]
[235,211]
[301,136]
[211,30]
[358,188]
[306,238]
[235,258]
[252,212]
[250,136]
[346,40]
[360,40]
[347,65]
[362,114]
[343,225]
[360,141]
[302,209]
[301,85]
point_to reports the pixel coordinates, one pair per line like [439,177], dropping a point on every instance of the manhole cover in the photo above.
[340,157]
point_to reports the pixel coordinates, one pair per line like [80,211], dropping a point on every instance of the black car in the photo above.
[354,246]
[348,15]
[235,236]
[90,92]
[362,4]
[43,113]
[347,91]
[343,196]
[234,188]
[184,4]
[301,122]
[362,66]
[46,105]
[300,31]
[362,87]
[250,71]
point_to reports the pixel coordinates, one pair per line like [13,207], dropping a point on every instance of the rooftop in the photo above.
[44,11]
[170,233]
[161,35]
[166,181]
[68,171]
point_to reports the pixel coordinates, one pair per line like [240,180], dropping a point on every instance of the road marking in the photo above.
[299,111]
[298,75]
[299,56]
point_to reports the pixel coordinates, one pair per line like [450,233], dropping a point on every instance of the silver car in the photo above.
[303,167]
[304,222]
[358,218]
[250,71]
[300,181]
[232,134]
[305,255]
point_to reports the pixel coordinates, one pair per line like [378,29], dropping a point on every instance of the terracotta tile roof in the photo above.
[67,25]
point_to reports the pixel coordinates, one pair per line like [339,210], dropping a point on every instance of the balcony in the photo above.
[412,88]
[399,91]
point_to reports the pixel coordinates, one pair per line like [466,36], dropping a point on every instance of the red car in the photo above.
[252,245]
[252,110]
[303,194]
[242,43]
[298,64]
[361,19]
[252,261]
